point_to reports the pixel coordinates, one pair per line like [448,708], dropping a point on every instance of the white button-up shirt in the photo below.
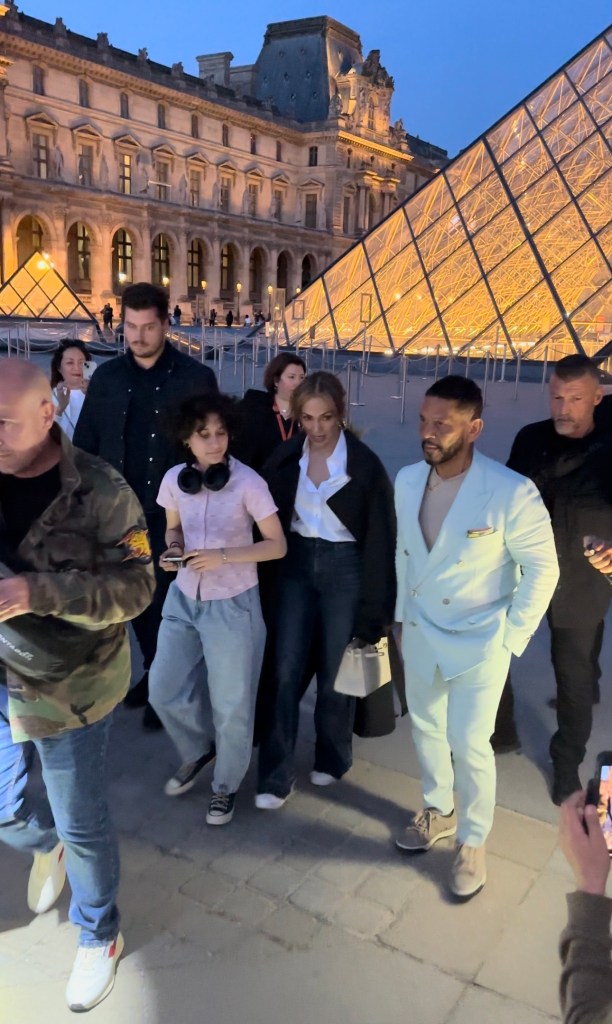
[312,516]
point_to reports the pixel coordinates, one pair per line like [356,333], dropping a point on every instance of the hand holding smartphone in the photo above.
[599,795]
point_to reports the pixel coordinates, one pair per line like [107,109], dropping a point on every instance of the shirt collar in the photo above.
[336,462]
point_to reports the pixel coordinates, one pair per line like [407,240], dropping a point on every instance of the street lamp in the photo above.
[238,290]
[121,277]
[165,281]
[270,290]
[203,287]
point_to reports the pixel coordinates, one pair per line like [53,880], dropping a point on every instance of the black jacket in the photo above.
[101,427]
[574,477]
[259,434]
[365,507]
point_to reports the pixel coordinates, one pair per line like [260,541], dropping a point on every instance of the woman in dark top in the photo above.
[337,581]
[266,415]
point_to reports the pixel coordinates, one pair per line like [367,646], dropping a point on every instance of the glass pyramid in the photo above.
[37,292]
[511,244]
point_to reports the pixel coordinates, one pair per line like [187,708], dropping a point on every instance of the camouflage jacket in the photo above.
[91,565]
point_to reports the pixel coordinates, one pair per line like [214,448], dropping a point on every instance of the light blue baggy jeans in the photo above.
[203,681]
[74,771]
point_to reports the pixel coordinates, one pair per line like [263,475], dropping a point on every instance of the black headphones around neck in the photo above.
[191,480]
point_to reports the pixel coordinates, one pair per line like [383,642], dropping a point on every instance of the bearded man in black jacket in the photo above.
[122,422]
[569,458]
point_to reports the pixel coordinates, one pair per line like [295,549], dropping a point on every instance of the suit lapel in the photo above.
[413,497]
[464,514]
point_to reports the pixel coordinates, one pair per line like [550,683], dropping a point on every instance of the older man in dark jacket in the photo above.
[122,421]
[568,457]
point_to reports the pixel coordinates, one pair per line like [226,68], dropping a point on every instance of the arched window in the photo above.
[29,238]
[307,271]
[160,260]
[371,116]
[195,266]
[79,258]
[256,268]
[282,271]
[122,260]
[228,264]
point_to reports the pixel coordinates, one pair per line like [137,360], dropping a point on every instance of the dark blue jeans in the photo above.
[316,600]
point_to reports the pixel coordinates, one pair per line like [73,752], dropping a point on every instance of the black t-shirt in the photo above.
[23,500]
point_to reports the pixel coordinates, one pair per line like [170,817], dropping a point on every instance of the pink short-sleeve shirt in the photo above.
[218,519]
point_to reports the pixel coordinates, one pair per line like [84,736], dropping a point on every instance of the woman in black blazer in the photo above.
[336,582]
[266,415]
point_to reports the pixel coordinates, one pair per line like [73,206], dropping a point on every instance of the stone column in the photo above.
[178,279]
[142,256]
[5,163]
[362,207]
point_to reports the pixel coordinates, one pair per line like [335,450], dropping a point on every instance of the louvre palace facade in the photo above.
[222,185]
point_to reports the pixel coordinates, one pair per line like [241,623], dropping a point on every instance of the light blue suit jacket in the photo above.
[474,591]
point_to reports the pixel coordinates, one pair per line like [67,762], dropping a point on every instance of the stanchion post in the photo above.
[503,372]
[235,355]
[518,373]
[451,359]
[467,361]
[404,380]
[437,364]
[544,368]
[494,374]
[486,378]
[349,383]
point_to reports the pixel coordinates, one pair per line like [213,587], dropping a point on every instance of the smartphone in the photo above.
[174,559]
[599,794]
[88,369]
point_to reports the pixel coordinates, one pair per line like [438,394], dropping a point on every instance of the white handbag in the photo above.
[363,669]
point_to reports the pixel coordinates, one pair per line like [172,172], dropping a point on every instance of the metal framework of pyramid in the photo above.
[37,292]
[511,244]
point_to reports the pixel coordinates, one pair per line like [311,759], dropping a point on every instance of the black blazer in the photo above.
[258,434]
[365,507]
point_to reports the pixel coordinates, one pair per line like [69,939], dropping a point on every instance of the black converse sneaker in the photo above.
[221,809]
[185,776]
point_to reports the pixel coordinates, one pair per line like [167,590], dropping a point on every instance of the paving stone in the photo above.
[290,926]
[390,891]
[240,864]
[246,906]
[459,936]
[524,964]
[317,897]
[207,888]
[477,1005]
[300,856]
[342,872]
[362,917]
[522,839]
[276,879]
[345,817]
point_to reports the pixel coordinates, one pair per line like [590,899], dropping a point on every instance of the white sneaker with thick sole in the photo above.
[93,974]
[322,779]
[47,879]
[270,801]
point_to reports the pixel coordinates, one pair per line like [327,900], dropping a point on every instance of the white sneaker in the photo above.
[93,974]
[322,779]
[47,879]
[269,801]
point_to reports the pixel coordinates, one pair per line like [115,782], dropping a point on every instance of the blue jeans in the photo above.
[203,681]
[316,600]
[74,771]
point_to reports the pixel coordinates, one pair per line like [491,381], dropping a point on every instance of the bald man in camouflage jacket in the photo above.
[74,534]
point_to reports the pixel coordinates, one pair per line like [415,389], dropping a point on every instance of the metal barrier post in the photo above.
[544,368]
[220,373]
[334,357]
[254,355]
[518,374]
[349,383]
[467,361]
[503,371]
[358,402]
[437,362]
[494,374]
[486,378]
[235,355]
[244,359]
[451,359]
[404,380]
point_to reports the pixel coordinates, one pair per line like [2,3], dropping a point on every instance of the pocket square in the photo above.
[483,531]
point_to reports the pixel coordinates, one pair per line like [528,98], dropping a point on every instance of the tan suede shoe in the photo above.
[469,871]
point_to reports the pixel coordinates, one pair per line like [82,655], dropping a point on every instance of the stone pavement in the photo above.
[310,913]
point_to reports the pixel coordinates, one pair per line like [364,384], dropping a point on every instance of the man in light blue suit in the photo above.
[476,569]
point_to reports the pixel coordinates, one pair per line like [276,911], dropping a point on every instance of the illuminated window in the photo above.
[85,164]
[125,173]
